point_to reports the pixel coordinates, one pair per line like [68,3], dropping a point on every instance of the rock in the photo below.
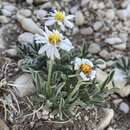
[86,31]
[84,2]
[74,9]
[120,14]
[110,128]
[29,2]
[75,30]
[4,19]
[120,46]
[117,101]
[119,78]
[101,5]
[6,12]
[29,25]
[25,12]
[113,40]
[11,52]
[79,18]
[40,14]
[94,48]
[97,25]
[110,14]
[109,113]
[120,82]
[105,54]
[26,38]
[102,63]
[3,126]
[11,8]
[24,85]
[124,107]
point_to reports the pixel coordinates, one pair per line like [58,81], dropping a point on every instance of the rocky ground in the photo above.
[103,24]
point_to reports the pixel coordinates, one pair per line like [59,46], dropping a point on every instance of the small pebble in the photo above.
[124,107]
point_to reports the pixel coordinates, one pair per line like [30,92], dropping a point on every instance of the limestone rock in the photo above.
[26,38]
[94,48]
[124,107]
[24,85]
[113,40]
[29,25]
[3,126]
[79,18]
[109,113]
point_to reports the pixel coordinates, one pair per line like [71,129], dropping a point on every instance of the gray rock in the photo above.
[105,54]
[120,82]
[113,40]
[121,46]
[79,18]
[25,12]
[29,2]
[3,126]
[124,107]
[24,85]
[26,38]
[110,14]
[40,14]
[6,12]
[104,122]
[97,25]
[86,31]
[11,8]
[84,2]
[110,128]
[4,19]
[29,25]
[94,48]
[74,9]
[11,52]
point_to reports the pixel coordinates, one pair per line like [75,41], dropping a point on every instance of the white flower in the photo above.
[61,19]
[53,40]
[85,67]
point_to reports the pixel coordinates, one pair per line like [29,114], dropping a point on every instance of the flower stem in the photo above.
[51,62]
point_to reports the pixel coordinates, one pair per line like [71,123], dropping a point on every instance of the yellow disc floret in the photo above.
[86,69]
[59,16]
[54,39]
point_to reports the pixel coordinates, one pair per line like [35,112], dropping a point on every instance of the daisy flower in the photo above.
[85,67]
[53,40]
[61,19]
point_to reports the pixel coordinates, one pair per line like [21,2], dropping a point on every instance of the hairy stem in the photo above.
[51,62]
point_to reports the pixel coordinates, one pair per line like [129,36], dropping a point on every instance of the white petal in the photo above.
[43,49]
[83,76]
[86,61]
[69,24]
[52,52]
[40,39]
[57,55]
[62,27]
[93,75]
[50,22]
[66,45]
[77,63]
[69,17]
[48,32]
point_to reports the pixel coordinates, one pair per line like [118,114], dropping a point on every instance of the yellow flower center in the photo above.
[86,69]
[59,16]
[54,39]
